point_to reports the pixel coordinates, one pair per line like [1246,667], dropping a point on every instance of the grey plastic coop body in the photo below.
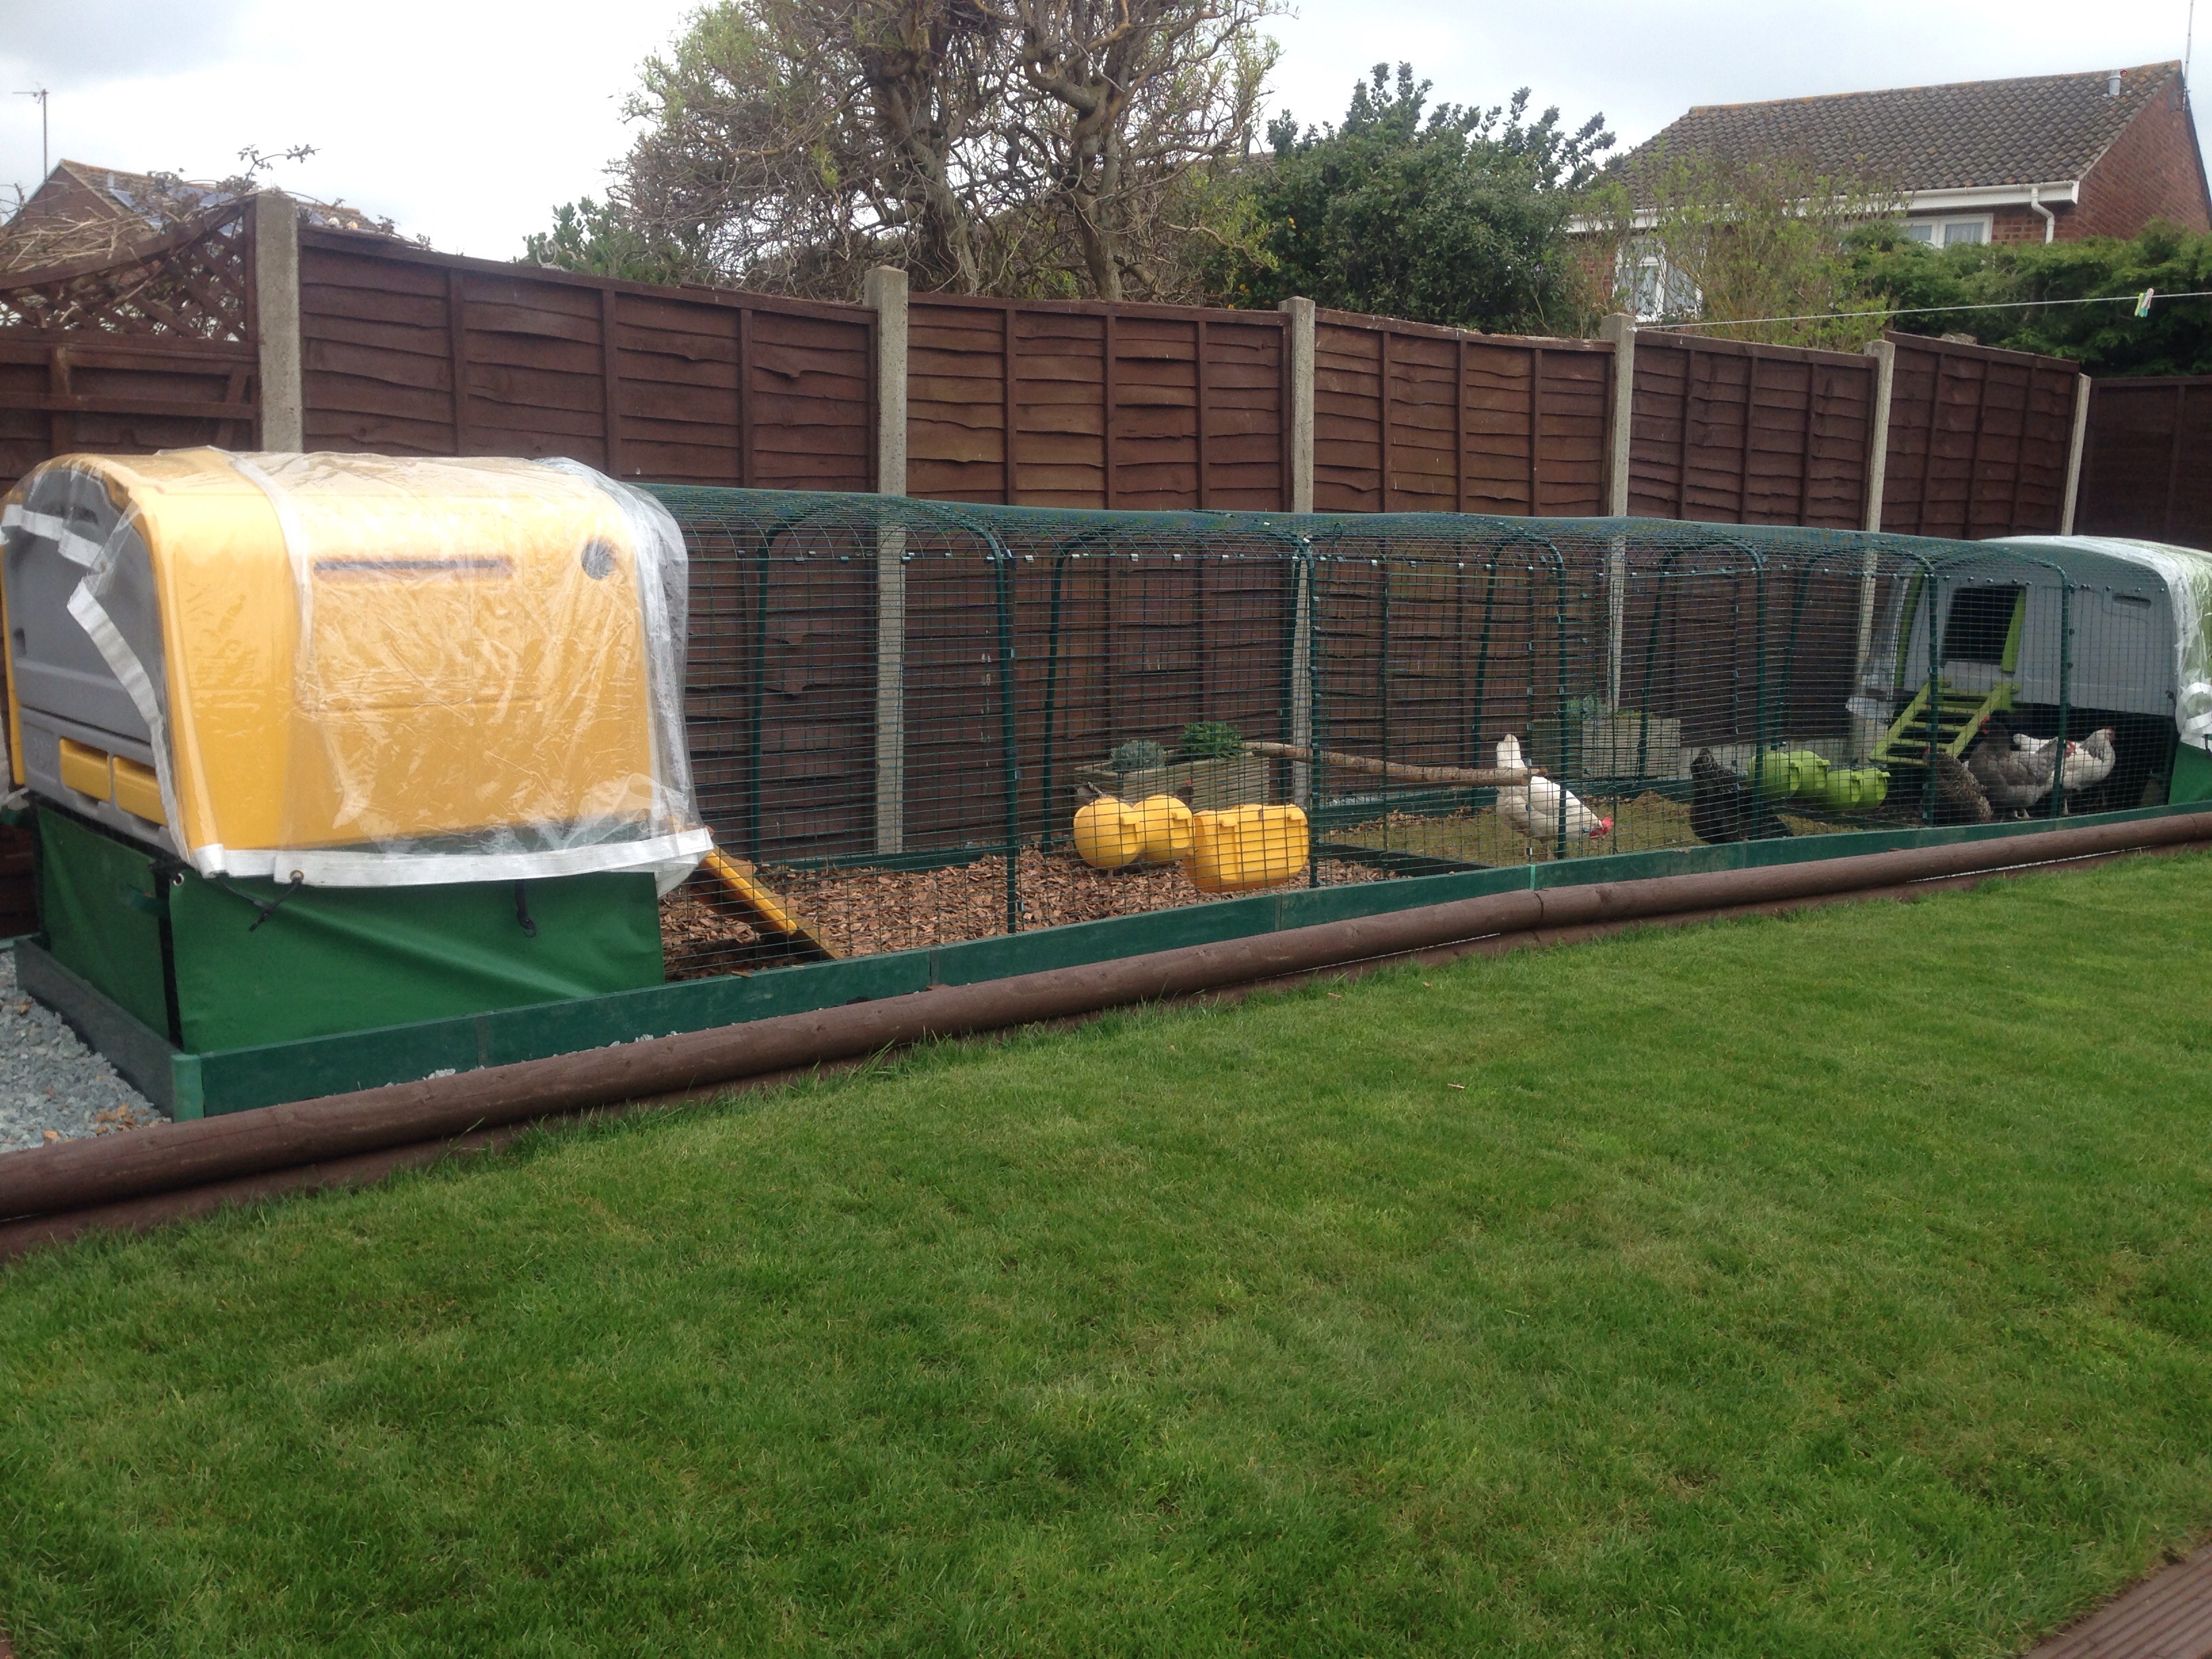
[2094,625]
[64,688]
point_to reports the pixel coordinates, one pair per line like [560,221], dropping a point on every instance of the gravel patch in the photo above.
[51,1086]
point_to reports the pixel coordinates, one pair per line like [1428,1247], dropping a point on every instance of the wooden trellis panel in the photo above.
[1979,441]
[1409,418]
[1119,406]
[152,351]
[195,284]
[1723,432]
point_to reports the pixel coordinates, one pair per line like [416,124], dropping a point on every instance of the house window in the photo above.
[1948,233]
[1659,290]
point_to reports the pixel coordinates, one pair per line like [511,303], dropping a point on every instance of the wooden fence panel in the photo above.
[407,352]
[1409,418]
[376,345]
[1349,452]
[1431,661]
[2147,461]
[1723,432]
[61,391]
[1120,406]
[1979,441]
[794,676]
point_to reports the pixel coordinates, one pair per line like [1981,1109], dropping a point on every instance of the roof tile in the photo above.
[2043,129]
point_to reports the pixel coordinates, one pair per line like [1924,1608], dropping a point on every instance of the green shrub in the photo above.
[2175,338]
[1211,740]
[1139,755]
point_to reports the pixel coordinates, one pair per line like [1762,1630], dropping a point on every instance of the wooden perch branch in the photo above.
[1503,776]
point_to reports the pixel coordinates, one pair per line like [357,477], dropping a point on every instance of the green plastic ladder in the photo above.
[1960,717]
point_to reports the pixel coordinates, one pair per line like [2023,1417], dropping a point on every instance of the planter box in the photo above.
[1214,784]
[1606,746]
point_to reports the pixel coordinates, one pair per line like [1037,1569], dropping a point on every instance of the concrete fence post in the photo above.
[1298,396]
[1877,471]
[1298,393]
[277,319]
[2082,390]
[885,294]
[1619,328]
[1877,481]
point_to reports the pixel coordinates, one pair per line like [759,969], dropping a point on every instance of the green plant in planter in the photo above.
[1211,740]
[1139,755]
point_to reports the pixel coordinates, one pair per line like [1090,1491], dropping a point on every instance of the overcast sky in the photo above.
[467,120]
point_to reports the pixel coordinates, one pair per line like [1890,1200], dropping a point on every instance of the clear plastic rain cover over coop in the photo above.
[2187,573]
[363,670]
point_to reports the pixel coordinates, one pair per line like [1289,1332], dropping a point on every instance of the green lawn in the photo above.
[1839,1284]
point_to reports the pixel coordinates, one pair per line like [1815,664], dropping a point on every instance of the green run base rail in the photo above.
[238,1079]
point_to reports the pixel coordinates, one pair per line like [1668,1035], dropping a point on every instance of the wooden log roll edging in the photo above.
[49,1192]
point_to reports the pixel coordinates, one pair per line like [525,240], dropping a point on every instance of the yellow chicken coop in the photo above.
[300,688]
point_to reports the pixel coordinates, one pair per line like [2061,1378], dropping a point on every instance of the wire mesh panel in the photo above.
[2027,679]
[1435,641]
[918,723]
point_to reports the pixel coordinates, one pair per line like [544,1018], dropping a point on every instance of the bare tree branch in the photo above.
[1044,146]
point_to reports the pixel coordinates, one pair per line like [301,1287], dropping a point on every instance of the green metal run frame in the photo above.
[1031,644]
[203,1084]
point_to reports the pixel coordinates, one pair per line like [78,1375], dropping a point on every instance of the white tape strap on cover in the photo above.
[15,515]
[2196,729]
[123,662]
[338,867]
[73,544]
[77,548]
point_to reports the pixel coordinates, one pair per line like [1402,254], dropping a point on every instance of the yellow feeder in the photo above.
[1245,847]
[362,669]
[1108,833]
[1165,821]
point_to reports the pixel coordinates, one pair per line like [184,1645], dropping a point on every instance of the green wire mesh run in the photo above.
[897,708]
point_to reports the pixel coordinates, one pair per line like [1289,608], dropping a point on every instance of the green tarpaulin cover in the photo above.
[330,959]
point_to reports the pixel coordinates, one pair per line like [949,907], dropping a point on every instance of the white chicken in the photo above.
[1535,810]
[2088,762]
[2084,765]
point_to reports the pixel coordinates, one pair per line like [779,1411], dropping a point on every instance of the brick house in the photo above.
[2042,158]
